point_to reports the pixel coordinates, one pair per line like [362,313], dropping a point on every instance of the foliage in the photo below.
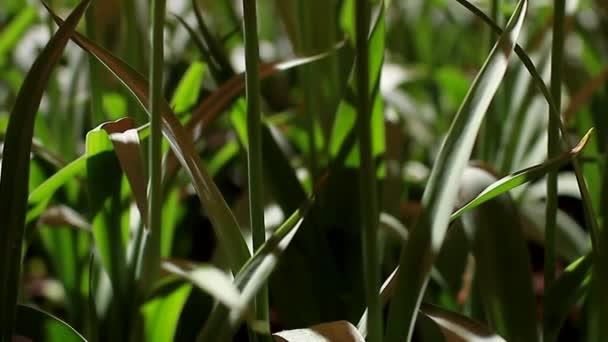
[252,170]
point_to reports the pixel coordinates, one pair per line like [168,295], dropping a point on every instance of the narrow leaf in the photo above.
[518,178]
[14,179]
[224,222]
[502,263]
[37,325]
[339,331]
[458,328]
[439,197]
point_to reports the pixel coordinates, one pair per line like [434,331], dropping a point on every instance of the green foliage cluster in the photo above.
[303,170]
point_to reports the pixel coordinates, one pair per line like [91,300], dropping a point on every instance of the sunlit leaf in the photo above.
[440,192]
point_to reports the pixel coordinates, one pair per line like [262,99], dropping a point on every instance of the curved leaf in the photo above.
[339,331]
[440,193]
[502,263]
[14,179]
[505,184]
[38,325]
[457,328]
[564,293]
[224,222]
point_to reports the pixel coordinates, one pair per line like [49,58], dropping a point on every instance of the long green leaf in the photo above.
[162,312]
[599,241]
[520,177]
[16,163]
[440,193]
[37,325]
[224,222]
[564,293]
[456,327]
[502,263]
[222,324]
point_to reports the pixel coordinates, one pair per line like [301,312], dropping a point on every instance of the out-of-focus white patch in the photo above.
[302,174]
[176,6]
[415,171]
[392,76]
[237,56]
[273,216]
[588,19]
[573,46]
[30,46]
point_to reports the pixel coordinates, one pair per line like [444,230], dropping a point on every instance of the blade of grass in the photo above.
[599,241]
[222,218]
[205,54]
[209,279]
[151,265]
[342,331]
[495,232]
[126,145]
[214,47]
[569,288]
[15,171]
[162,312]
[37,325]
[221,324]
[456,327]
[516,179]
[254,138]
[439,196]
[367,175]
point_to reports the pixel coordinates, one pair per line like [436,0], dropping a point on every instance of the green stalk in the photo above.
[367,177]
[97,115]
[554,143]
[254,134]
[155,148]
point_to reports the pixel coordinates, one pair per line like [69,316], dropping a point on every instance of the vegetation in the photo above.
[299,170]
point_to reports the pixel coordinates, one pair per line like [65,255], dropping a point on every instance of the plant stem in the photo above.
[367,176]
[554,144]
[155,148]
[254,134]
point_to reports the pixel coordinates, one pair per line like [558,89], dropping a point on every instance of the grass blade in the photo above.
[155,154]
[498,244]
[516,179]
[38,325]
[564,293]
[440,193]
[209,279]
[342,331]
[162,312]
[16,163]
[599,241]
[254,139]
[456,327]
[222,324]
[367,175]
[221,216]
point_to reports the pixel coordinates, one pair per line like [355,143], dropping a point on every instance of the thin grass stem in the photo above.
[254,133]
[367,176]
[156,139]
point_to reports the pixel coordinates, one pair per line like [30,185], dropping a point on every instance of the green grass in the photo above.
[379,170]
